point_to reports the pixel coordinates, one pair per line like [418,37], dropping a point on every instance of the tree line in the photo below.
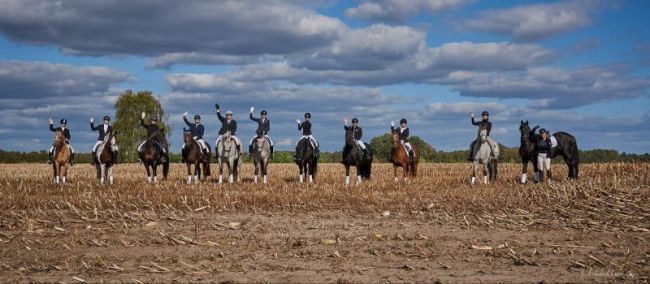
[127,123]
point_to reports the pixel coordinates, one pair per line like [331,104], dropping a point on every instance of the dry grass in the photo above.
[607,200]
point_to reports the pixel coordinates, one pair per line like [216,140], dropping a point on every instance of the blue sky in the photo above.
[577,66]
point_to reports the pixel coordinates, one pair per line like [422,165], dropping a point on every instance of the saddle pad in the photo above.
[553,141]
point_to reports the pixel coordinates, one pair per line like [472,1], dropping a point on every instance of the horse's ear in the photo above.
[522,122]
[526,122]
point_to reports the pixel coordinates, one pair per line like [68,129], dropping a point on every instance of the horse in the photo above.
[260,155]
[228,153]
[400,157]
[567,147]
[485,157]
[193,155]
[307,160]
[61,157]
[104,159]
[151,158]
[355,157]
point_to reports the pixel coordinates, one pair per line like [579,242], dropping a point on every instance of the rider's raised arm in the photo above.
[93,128]
[142,123]
[300,126]
[220,117]
[187,122]
[253,118]
[52,127]
[475,123]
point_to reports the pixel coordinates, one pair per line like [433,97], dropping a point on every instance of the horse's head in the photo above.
[187,135]
[395,136]
[483,135]
[112,137]
[524,129]
[260,140]
[349,137]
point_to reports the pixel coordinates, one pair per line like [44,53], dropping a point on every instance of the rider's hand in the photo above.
[252,109]
[51,121]
[217,107]
[142,115]
[345,121]
[92,120]
[298,121]
[471,114]
[184,114]
[392,124]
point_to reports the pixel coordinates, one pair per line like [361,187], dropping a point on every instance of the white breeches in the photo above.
[361,144]
[232,136]
[543,162]
[408,146]
[69,147]
[97,145]
[311,138]
[253,139]
[201,143]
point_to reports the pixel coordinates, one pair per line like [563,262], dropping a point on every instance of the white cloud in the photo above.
[398,10]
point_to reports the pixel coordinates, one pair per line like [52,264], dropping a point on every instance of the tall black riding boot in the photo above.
[250,151]
[411,156]
[49,157]
[92,158]
[183,155]
[72,159]
[271,154]
[541,176]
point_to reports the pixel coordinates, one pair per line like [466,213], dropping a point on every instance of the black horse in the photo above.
[307,160]
[151,157]
[567,147]
[354,156]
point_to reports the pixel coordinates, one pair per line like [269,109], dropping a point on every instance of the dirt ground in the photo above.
[287,232]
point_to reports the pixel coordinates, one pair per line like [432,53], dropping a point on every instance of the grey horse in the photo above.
[260,155]
[228,153]
[485,157]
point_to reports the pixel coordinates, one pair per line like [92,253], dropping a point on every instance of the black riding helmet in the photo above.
[197,117]
[403,120]
[106,117]
[153,118]
[307,115]
[355,120]
[542,131]
[63,121]
[263,112]
[485,113]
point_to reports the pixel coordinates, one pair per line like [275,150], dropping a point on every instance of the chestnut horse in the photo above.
[61,157]
[400,157]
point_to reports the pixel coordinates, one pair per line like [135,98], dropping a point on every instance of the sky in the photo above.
[576,66]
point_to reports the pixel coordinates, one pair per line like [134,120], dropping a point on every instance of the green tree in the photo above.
[383,145]
[128,108]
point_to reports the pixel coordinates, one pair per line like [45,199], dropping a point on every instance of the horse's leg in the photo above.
[312,169]
[231,169]
[146,167]
[197,170]
[474,168]
[265,169]
[486,172]
[189,172]
[347,174]
[414,170]
[395,173]
[154,169]
[64,172]
[110,175]
[102,169]
[302,167]
[524,170]
[55,172]
[406,171]
[257,169]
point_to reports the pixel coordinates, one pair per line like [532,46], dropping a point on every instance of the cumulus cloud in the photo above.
[532,22]
[155,28]
[397,11]
[555,87]
[40,80]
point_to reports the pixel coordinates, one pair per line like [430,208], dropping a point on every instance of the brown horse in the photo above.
[152,157]
[60,158]
[400,158]
[105,159]
[193,155]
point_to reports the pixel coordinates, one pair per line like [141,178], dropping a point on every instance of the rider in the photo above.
[153,130]
[197,131]
[103,130]
[357,133]
[305,126]
[484,124]
[543,146]
[228,124]
[66,134]
[263,127]
[404,135]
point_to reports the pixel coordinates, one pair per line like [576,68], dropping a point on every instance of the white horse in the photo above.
[262,151]
[485,157]
[228,153]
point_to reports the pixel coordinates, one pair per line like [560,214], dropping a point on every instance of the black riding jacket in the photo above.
[403,133]
[483,124]
[66,131]
[543,146]
[263,126]
[227,126]
[100,128]
[357,132]
[151,128]
[196,130]
[305,126]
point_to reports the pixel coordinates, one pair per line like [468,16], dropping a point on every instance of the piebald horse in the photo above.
[60,159]
[105,159]
[400,158]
